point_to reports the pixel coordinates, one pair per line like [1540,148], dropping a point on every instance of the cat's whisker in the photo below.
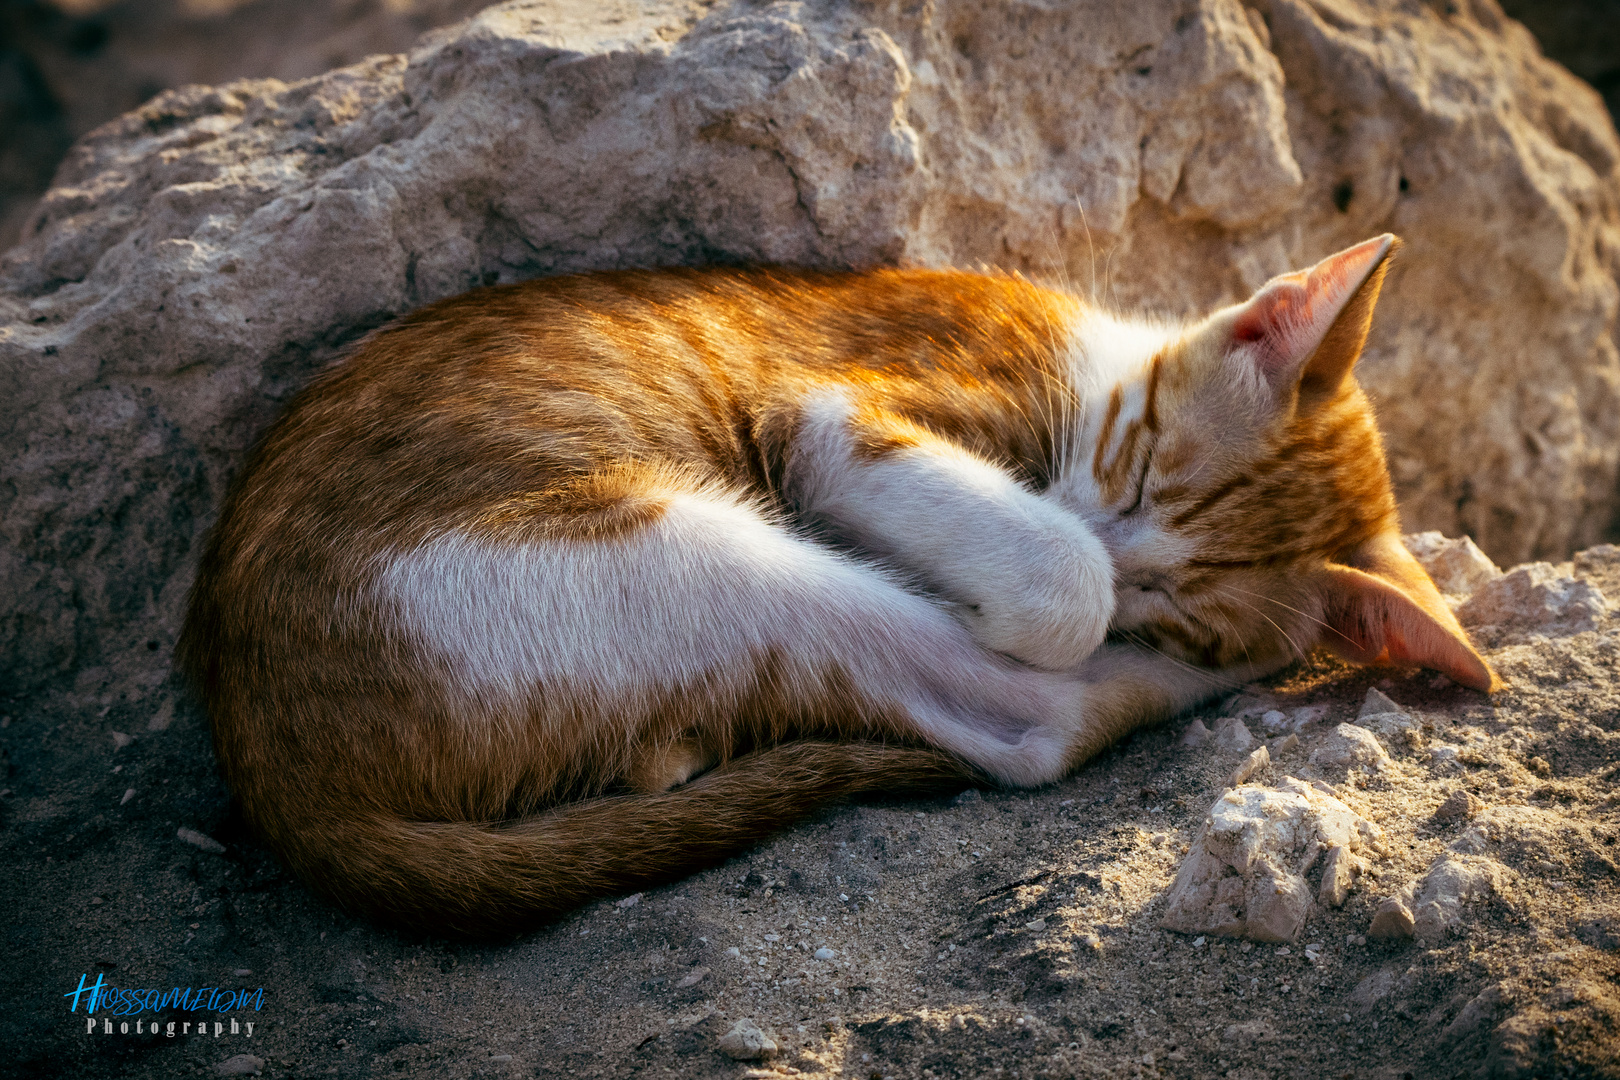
[1292,644]
[1142,642]
[1304,614]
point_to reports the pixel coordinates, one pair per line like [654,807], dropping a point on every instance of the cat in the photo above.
[563,588]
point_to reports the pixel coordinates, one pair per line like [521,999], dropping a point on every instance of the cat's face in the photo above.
[1238,481]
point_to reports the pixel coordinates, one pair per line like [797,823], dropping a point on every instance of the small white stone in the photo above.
[201,840]
[240,1065]
[1536,596]
[692,978]
[1195,735]
[1274,721]
[120,740]
[1232,734]
[1036,924]
[1244,874]
[629,901]
[1252,764]
[1457,566]
[129,793]
[824,953]
[1349,746]
[747,1041]
[1306,714]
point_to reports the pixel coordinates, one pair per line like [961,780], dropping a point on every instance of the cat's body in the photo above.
[561,588]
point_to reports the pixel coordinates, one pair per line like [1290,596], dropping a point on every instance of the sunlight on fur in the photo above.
[557,589]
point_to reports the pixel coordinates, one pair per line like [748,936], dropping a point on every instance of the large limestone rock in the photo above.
[67,66]
[200,257]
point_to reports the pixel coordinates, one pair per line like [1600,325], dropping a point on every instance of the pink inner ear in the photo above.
[1288,318]
[1372,620]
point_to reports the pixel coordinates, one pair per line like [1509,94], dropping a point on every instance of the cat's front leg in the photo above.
[1029,578]
[1130,686]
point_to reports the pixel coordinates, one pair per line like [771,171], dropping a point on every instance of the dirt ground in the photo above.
[1010,934]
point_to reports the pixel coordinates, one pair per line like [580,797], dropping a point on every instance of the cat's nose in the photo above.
[1149,580]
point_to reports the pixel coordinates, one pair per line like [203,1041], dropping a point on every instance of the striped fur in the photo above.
[560,588]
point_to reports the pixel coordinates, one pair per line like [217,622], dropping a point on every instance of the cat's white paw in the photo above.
[1048,608]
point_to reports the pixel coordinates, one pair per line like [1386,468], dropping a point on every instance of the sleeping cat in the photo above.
[562,588]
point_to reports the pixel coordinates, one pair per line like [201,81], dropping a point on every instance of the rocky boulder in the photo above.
[199,258]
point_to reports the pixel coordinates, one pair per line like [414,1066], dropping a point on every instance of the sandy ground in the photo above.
[978,934]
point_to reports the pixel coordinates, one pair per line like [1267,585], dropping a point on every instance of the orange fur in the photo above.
[583,414]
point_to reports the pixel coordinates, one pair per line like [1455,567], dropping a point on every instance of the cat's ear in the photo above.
[1384,609]
[1306,329]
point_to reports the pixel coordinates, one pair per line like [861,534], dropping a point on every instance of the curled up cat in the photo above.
[563,588]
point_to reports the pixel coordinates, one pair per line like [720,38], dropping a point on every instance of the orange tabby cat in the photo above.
[562,588]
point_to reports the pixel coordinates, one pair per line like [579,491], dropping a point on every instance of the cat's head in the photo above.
[1234,470]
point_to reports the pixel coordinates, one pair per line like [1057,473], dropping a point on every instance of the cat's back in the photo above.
[448,414]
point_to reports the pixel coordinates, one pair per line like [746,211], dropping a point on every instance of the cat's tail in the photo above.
[481,879]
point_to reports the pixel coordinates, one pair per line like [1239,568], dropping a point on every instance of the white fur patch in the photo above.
[698,596]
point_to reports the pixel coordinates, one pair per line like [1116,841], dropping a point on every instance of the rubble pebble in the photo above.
[747,1041]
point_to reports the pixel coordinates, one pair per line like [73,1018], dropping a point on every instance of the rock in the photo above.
[1381,715]
[627,902]
[824,953]
[145,46]
[692,978]
[1445,758]
[1457,566]
[203,256]
[1476,1017]
[1601,566]
[1195,735]
[1374,988]
[1536,597]
[1427,909]
[1339,871]
[1244,875]
[240,1065]
[121,740]
[1460,805]
[1348,747]
[1306,714]
[201,840]
[967,798]
[1274,720]
[1232,734]
[129,793]
[1284,745]
[1391,922]
[1252,764]
[746,1041]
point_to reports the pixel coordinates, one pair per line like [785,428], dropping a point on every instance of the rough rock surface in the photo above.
[1457,566]
[68,66]
[1350,746]
[1427,908]
[1534,597]
[199,258]
[1245,875]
